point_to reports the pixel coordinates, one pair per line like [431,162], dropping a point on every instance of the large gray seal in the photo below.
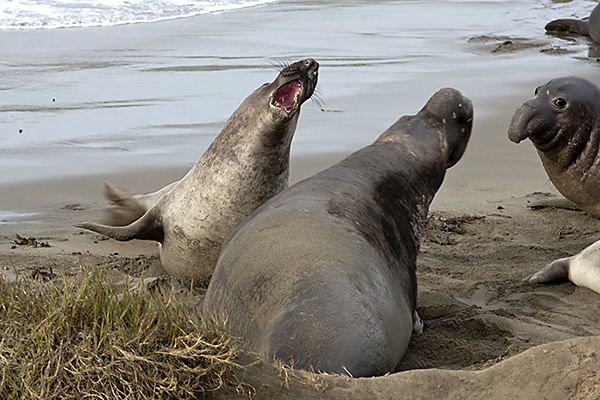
[562,121]
[586,27]
[246,164]
[323,275]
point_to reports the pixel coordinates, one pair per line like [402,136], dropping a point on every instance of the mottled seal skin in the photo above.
[246,164]
[583,269]
[562,121]
[322,276]
[586,27]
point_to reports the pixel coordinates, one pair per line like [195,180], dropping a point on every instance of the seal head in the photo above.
[562,121]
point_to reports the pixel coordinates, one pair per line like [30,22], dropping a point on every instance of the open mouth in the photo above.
[286,96]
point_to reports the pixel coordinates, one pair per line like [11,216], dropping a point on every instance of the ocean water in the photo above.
[93,100]
[47,14]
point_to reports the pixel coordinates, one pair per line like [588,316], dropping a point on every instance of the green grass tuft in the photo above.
[81,339]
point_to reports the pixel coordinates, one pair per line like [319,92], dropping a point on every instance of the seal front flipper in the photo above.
[556,270]
[420,326]
[554,203]
[583,269]
[149,227]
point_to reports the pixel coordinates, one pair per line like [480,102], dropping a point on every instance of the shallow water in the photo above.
[49,14]
[84,101]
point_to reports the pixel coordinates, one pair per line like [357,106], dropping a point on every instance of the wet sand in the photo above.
[482,239]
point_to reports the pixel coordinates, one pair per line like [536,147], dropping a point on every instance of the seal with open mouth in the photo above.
[323,275]
[246,164]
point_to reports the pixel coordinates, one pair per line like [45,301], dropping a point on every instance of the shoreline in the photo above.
[148,99]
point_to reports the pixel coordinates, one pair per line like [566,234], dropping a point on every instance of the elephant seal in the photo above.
[586,27]
[322,276]
[246,164]
[583,269]
[562,121]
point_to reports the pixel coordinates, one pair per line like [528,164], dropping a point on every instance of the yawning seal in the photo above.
[246,164]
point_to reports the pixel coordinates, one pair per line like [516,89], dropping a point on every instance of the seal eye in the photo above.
[560,102]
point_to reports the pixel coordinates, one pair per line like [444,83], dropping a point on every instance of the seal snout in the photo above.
[449,104]
[517,131]
[454,111]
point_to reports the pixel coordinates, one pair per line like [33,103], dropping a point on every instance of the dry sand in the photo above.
[470,266]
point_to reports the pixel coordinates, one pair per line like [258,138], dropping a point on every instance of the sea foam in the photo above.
[47,14]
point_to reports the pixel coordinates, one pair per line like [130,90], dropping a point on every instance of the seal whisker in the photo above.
[317,98]
[279,63]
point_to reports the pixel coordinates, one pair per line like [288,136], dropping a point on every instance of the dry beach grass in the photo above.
[76,337]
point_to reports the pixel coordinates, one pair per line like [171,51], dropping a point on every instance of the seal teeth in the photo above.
[287,96]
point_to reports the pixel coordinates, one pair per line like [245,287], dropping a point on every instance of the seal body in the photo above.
[322,276]
[583,269]
[562,121]
[246,164]
[586,27]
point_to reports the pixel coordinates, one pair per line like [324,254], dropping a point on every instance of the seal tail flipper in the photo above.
[148,227]
[568,25]
[556,270]
[126,207]
[129,207]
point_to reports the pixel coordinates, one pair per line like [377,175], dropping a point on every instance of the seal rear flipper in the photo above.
[556,270]
[126,208]
[148,227]
[569,26]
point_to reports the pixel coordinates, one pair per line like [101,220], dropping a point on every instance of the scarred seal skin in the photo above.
[562,121]
[246,164]
[322,276]
[586,27]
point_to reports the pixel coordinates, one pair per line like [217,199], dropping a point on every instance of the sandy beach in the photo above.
[165,89]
